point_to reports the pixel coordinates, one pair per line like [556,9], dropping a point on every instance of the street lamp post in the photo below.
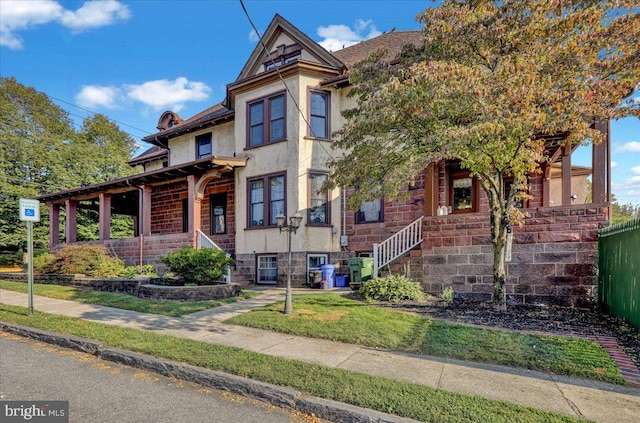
[292,227]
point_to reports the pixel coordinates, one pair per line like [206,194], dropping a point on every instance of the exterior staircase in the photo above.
[203,241]
[397,246]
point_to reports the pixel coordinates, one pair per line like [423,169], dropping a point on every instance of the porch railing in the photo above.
[203,241]
[396,245]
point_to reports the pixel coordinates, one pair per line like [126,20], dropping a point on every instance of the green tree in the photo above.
[491,78]
[33,135]
[40,152]
[622,212]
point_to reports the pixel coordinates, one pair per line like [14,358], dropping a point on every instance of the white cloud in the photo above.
[253,36]
[20,15]
[635,170]
[92,96]
[614,165]
[164,93]
[630,147]
[94,14]
[337,37]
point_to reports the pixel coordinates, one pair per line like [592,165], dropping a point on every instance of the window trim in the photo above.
[258,281]
[266,119]
[201,137]
[212,217]
[266,197]
[326,197]
[359,214]
[327,123]
[475,194]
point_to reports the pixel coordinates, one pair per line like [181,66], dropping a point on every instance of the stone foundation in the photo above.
[553,256]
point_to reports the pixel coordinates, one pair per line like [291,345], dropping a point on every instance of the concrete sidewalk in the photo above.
[575,397]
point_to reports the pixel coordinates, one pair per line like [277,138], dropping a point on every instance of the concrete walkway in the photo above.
[579,398]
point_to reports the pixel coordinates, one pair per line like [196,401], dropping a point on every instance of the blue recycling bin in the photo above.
[328,270]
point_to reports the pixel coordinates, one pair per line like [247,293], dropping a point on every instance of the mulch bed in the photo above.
[584,323]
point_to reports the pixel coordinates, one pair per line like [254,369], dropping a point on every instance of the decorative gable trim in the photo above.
[277,26]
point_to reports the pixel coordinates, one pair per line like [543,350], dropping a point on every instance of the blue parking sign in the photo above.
[29,210]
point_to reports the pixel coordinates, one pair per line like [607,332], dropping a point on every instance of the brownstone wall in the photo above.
[222,185]
[166,208]
[397,215]
[553,260]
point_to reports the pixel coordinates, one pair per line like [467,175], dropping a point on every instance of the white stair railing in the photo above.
[396,245]
[203,241]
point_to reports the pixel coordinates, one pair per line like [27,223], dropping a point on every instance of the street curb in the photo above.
[279,396]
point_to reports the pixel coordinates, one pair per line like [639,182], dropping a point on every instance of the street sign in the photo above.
[29,210]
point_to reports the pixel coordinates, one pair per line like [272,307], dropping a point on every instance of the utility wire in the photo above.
[95,113]
[281,78]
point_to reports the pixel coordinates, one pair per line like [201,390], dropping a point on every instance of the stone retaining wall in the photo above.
[138,287]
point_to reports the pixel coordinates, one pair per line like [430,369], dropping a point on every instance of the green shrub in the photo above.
[201,267]
[90,260]
[391,288]
[447,295]
[133,271]
[42,261]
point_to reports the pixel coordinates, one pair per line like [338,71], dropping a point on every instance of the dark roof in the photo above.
[151,154]
[198,167]
[391,41]
[214,114]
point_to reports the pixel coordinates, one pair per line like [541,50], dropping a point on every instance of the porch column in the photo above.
[71,225]
[144,210]
[54,225]
[104,214]
[431,194]
[600,165]
[566,176]
[194,208]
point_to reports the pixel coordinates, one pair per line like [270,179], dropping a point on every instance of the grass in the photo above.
[333,317]
[386,395]
[123,301]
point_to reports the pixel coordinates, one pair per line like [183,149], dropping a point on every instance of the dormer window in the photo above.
[282,56]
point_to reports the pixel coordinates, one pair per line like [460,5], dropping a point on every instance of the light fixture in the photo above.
[294,224]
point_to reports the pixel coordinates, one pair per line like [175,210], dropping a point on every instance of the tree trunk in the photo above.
[499,241]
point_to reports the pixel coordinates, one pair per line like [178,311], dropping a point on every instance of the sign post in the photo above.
[30,212]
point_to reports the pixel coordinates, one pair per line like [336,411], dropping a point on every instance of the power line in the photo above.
[281,78]
[95,113]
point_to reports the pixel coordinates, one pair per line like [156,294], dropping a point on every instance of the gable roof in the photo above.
[278,25]
[213,115]
[392,41]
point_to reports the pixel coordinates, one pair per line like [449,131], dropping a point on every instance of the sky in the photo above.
[131,60]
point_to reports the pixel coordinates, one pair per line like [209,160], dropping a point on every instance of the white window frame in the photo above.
[259,268]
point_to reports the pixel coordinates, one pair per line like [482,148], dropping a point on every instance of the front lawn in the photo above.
[390,396]
[333,317]
[123,301]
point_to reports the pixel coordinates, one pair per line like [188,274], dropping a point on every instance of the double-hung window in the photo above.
[266,120]
[266,200]
[267,269]
[318,200]
[203,146]
[319,114]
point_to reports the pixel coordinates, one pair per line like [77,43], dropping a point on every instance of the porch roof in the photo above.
[198,167]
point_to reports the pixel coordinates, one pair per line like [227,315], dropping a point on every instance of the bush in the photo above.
[90,260]
[201,267]
[42,261]
[391,288]
[133,271]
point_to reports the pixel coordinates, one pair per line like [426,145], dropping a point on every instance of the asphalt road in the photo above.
[101,391]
